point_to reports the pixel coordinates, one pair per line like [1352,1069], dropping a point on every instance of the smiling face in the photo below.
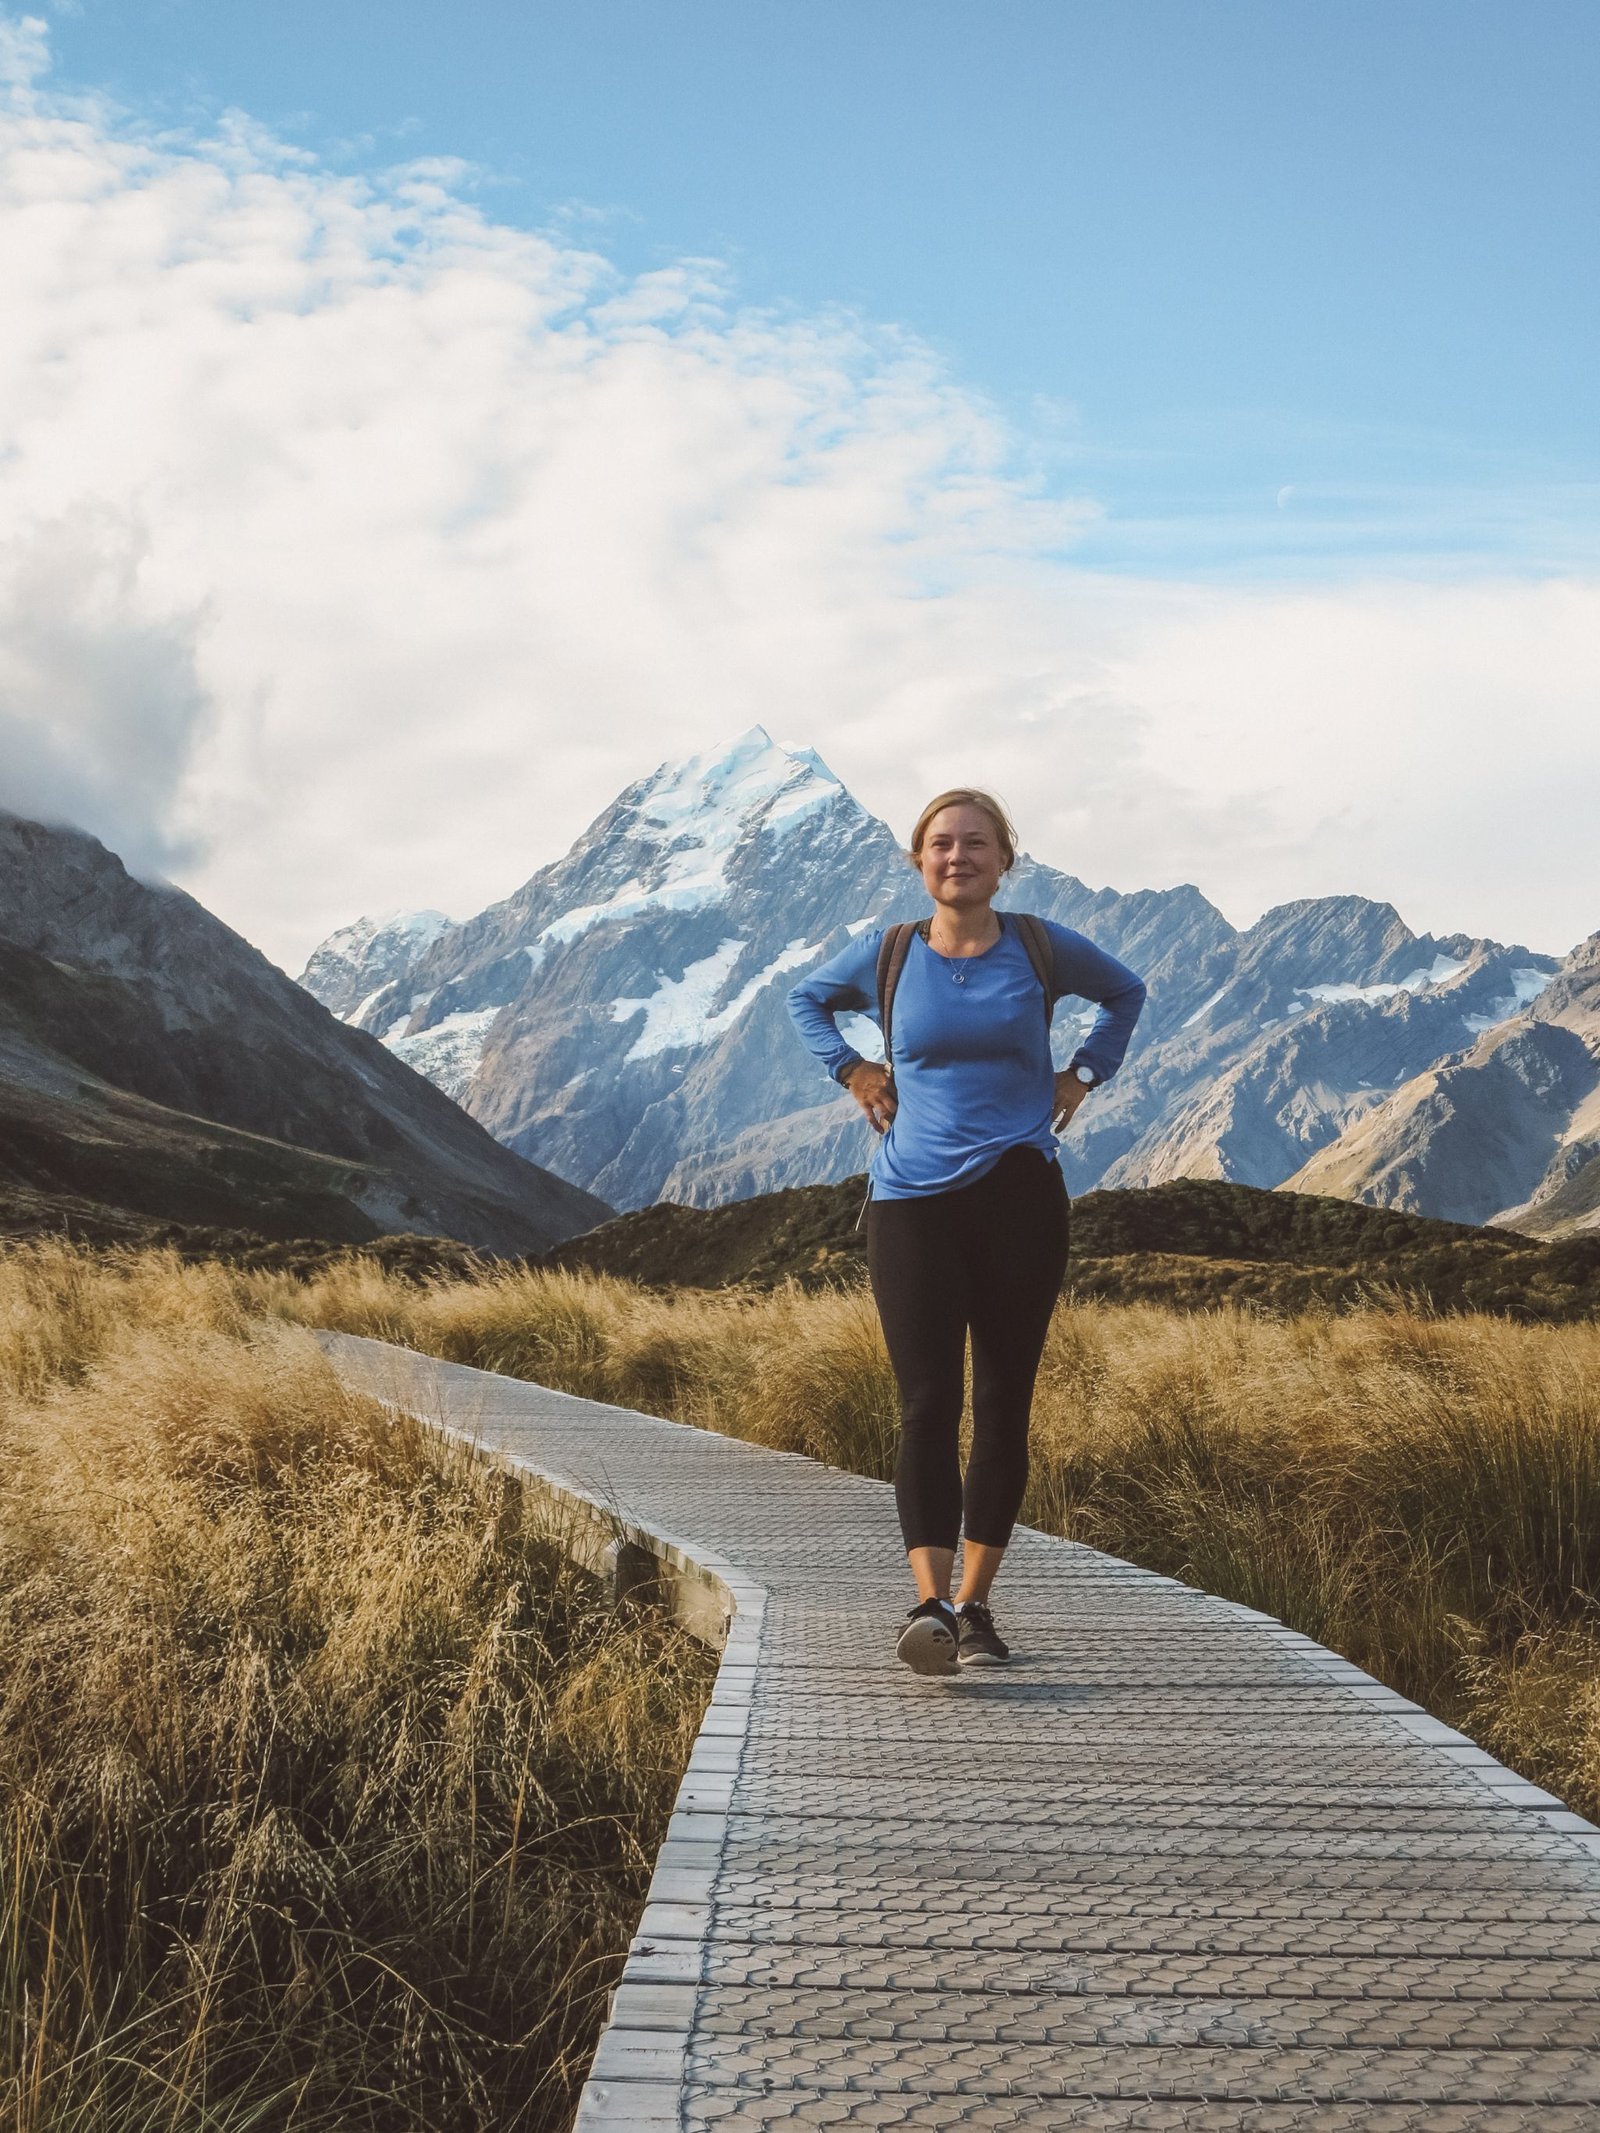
[961,857]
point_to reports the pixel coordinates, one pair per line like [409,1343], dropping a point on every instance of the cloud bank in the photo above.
[355,549]
[101,710]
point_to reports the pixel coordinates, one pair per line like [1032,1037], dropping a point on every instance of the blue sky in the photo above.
[1284,287]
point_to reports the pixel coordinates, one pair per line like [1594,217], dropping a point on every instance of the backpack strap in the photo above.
[1041,955]
[892,952]
[896,944]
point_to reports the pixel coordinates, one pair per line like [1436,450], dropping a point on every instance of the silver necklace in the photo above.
[958,972]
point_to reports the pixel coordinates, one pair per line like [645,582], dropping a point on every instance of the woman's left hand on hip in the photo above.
[1070,1092]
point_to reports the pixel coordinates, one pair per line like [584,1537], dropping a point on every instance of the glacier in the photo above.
[679,1012]
[1438,972]
[450,1052]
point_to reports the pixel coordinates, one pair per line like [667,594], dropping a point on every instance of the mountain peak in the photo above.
[749,774]
[354,965]
[419,926]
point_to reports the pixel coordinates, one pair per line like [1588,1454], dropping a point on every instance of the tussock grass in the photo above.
[329,1790]
[1421,1493]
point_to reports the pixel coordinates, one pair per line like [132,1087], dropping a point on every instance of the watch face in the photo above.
[1085,1073]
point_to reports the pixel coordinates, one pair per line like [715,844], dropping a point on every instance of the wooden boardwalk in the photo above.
[1175,1868]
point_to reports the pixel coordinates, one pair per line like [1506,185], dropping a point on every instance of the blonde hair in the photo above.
[967,795]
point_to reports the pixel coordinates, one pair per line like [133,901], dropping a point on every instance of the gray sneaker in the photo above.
[929,1640]
[980,1643]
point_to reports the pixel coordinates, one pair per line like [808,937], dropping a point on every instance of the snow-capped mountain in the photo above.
[620,1018]
[1507,1130]
[1322,1007]
[625,1007]
[358,963]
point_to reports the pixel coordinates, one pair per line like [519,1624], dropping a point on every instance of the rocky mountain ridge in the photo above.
[154,1064]
[620,1017]
[1506,1130]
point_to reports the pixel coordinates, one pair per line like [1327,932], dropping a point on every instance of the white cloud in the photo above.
[1434,745]
[100,708]
[24,50]
[445,532]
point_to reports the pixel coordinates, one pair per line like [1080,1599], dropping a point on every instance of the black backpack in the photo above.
[896,944]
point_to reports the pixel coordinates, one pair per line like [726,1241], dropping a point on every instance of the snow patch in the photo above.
[423,927]
[1438,972]
[709,804]
[1526,986]
[689,892]
[725,787]
[419,929]
[1204,1008]
[372,952]
[679,1011]
[448,1054]
[363,1008]
[862,1035]
[799,800]
[419,1001]
[691,817]
[859,925]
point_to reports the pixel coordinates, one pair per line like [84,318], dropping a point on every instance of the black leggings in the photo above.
[990,1255]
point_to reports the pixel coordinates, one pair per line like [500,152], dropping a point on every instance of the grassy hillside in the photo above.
[330,1789]
[109,1167]
[1192,1245]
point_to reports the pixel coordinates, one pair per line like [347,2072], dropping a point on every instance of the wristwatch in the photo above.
[1084,1073]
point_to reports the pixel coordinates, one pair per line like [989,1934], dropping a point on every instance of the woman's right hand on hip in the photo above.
[872,1086]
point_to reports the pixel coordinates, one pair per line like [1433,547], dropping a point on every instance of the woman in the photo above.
[967,1215]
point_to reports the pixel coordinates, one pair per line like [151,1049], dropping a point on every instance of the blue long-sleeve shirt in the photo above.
[972,1069]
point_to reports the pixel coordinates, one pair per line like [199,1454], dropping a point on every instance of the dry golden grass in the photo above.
[329,1791]
[1420,1493]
